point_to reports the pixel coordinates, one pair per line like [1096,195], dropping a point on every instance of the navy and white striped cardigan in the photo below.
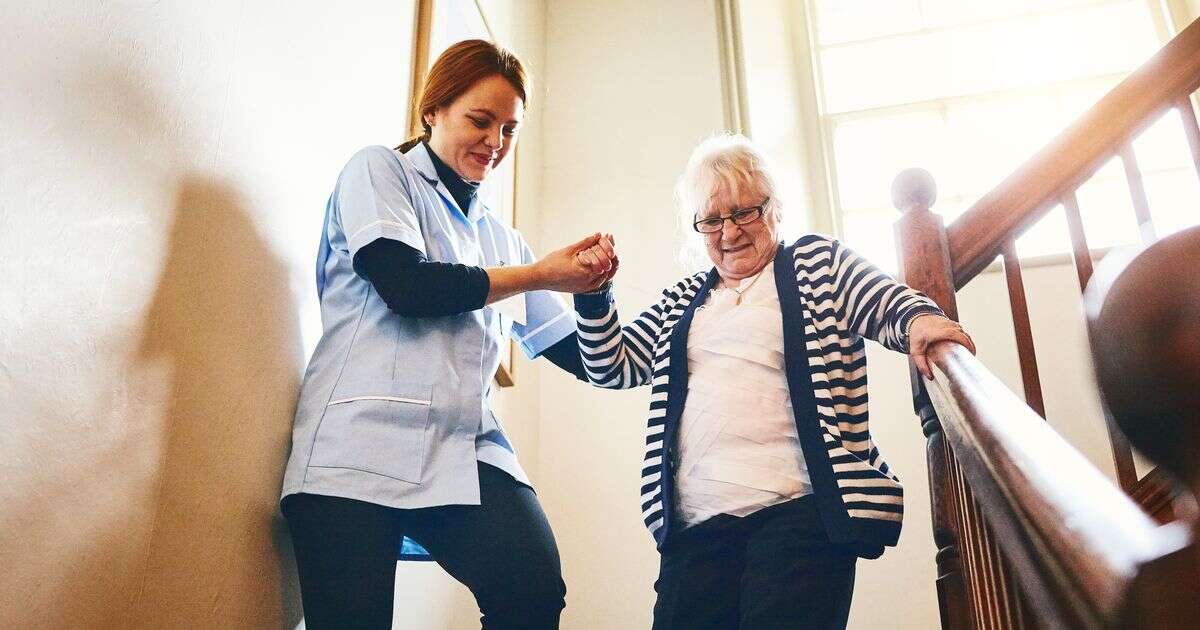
[837,298]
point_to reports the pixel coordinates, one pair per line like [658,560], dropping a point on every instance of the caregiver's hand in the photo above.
[573,269]
[601,258]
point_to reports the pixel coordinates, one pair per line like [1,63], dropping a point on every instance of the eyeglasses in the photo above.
[741,216]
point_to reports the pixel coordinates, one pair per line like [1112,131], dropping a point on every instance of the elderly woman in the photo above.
[761,484]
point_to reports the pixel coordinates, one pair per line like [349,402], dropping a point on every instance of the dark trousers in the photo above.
[503,550]
[772,569]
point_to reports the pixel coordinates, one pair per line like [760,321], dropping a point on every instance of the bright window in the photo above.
[969,89]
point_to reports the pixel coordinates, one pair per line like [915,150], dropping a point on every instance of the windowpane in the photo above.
[1106,209]
[1048,236]
[870,234]
[971,89]
[1174,199]
[1163,146]
[869,152]
[969,145]
[989,139]
[1045,48]
[951,12]
[1169,175]
[842,21]
[848,20]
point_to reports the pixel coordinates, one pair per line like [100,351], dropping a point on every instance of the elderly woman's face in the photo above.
[740,251]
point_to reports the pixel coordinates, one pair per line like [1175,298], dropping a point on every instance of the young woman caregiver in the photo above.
[394,434]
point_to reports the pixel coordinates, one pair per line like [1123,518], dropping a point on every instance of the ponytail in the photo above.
[408,145]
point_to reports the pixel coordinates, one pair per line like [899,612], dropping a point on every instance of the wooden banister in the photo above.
[1170,76]
[1029,533]
[1075,540]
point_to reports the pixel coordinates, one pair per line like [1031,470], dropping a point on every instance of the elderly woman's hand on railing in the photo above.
[928,329]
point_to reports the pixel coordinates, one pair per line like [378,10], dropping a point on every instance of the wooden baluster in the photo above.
[983,607]
[925,265]
[1137,194]
[974,552]
[1190,128]
[1122,454]
[1021,328]
[991,572]
[994,593]
[969,543]
[993,596]
[1010,601]
[1079,246]
[1008,595]
[960,548]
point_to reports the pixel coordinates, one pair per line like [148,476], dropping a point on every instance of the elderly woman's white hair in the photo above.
[722,162]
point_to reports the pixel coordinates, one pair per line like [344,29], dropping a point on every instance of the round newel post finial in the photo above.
[913,189]
[1143,320]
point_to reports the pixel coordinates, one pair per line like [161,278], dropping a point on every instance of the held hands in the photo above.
[601,259]
[581,267]
[926,330]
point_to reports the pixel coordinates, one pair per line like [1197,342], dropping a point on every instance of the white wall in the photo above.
[163,173]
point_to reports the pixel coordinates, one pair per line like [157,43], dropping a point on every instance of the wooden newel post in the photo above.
[921,239]
[925,265]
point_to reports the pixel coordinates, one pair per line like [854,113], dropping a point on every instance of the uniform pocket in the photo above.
[380,431]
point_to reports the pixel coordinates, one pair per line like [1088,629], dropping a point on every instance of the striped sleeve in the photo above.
[617,357]
[870,302]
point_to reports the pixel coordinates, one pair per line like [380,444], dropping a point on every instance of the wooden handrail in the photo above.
[1075,551]
[1076,542]
[1164,81]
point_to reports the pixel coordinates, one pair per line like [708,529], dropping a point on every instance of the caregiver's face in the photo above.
[477,130]
[740,251]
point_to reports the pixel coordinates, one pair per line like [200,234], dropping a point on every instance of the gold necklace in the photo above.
[738,300]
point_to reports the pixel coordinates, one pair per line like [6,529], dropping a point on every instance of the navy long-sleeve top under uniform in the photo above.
[413,286]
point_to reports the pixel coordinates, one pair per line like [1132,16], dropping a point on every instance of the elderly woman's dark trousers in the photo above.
[772,569]
[503,550]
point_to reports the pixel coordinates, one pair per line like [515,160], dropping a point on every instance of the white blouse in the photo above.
[738,447]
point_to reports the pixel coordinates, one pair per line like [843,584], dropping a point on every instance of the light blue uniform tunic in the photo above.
[396,410]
